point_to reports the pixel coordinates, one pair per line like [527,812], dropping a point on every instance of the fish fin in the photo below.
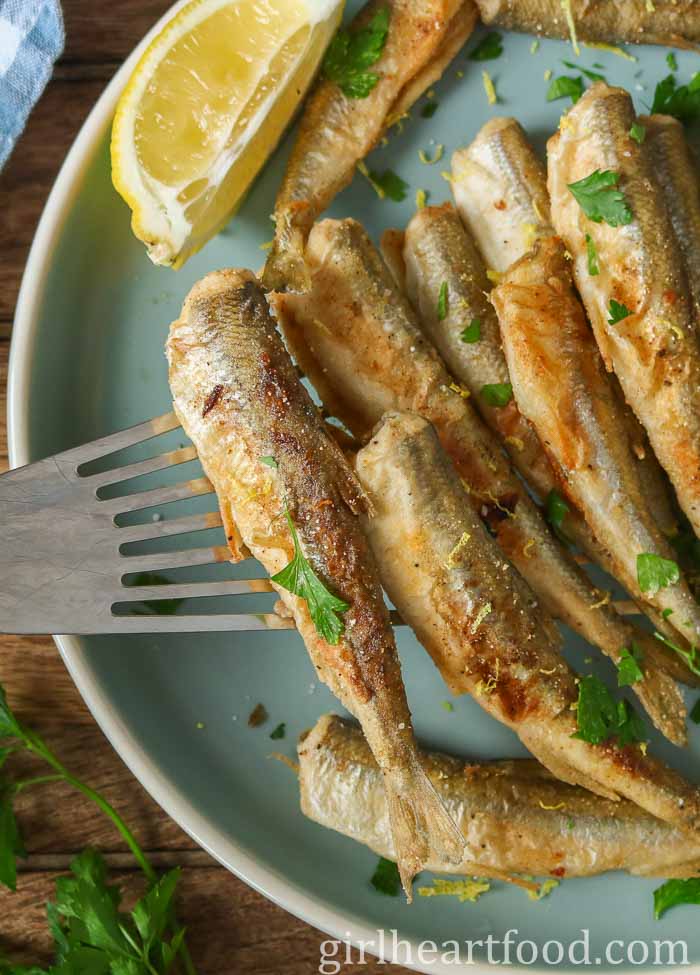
[285,268]
[421,827]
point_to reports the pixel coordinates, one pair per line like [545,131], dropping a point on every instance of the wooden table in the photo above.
[231,928]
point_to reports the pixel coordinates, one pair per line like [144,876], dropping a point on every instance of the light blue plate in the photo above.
[88,359]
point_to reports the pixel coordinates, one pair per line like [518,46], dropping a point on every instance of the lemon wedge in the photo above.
[205,106]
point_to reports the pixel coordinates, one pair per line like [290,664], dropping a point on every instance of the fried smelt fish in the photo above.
[240,400]
[357,339]
[671,22]
[500,190]
[561,386]
[639,303]
[519,817]
[481,623]
[337,131]
[676,168]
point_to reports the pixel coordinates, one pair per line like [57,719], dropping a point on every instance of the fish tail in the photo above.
[422,828]
[285,268]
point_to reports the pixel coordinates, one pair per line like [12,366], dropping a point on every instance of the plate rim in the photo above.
[229,853]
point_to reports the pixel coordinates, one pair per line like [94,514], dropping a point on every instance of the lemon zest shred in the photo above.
[267,245]
[362,168]
[571,24]
[548,74]
[489,88]
[489,686]
[480,617]
[460,74]
[451,560]
[611,49]
[529,235]
[421,199]
[464,890]
[543,805]
[601,602]
[427,160]
[535,46]
[446,176]
[526,548]
[548,673]
[515,442]
[643,747]
[460,390]
[545,888]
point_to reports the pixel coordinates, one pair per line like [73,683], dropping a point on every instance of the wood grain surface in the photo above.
[231,928]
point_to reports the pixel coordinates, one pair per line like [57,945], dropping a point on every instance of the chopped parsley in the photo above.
[299,578]
[447,706]
[691,657]
[592,75]
[600,198]
[671,61]
[655,572]
[695,712]
[443,302]
[556,509]
[600,718]
[269,462]
[497,394]
[682,101]
[388,183]
[667,612]
[429,109]
[472,333]
[629,669]
[489,88]
[617,312]
[350,54]
[386,878]
[675,892]
[592,254]
[279,732]
[638,133]
[565,87]
[489,48]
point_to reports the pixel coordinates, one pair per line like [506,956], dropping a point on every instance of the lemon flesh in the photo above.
[205,107]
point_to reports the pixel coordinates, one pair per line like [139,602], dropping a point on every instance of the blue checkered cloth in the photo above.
[31,38]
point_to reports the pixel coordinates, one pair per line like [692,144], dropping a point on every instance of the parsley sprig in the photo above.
[349,56]
[602,718]
[298,577]
[91,934]
[600,198]
[682,101]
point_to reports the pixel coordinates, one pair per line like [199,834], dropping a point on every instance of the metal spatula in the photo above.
[62,569]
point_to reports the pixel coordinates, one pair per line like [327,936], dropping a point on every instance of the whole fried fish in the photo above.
[337,131]
[481,623]
[357,339]
[648,336]
[519,817]
[676,168]
[240,400]
[562,387]
[670,22]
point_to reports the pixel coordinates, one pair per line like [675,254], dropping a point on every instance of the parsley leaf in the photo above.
[671,61]
[351,53]
[682,101]
[299,578]
[556,509]
[691,657]
[390,184]
[11,845]
[617,312]
[386,878]
[489,48]
[601,718]
[443,301]
[675,892]
[600,199]
[472,333]
[269,462]
[638,133]
[655,572]
[592,253]
[695,713]
[279,731]
[592,75]
[497,394]
[565,87]
[429,110]
[629,670]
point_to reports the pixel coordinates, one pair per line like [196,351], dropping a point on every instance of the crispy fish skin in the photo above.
[500,189]
[519,817]
[676,169]
[482,625]
[671,22]
[336,131]
[655,351]
[239,399]
[562,387]
[357,339]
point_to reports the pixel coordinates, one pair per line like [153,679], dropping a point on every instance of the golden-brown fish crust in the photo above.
[655,350]
[671,22]
[519,817]
[336,131]
[481,623]
[240,400]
